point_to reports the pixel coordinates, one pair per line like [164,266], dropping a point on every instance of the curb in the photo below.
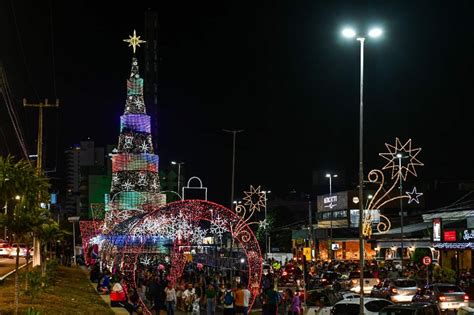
[12,272]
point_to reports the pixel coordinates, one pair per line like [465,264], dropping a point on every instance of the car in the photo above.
[446,295]
[369,281]
[372,306]
[23,250]
[411,309]
[395,290]
[321,301]
[5,250]
[290,274]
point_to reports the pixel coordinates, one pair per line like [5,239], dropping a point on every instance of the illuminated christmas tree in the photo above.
[135,179]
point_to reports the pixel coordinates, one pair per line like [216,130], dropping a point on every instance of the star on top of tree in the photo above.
[414,195]
[255,198]
[134,41]
[407,152]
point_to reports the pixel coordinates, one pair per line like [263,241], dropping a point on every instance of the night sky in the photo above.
[280,70]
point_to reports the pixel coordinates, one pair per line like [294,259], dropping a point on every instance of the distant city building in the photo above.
[87,175]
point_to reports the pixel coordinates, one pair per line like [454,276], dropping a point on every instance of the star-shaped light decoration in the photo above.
[145,260]
[134,41]
[144,147]
[407,152]
[263,224]
[255,198]
[127,186]
[414,195]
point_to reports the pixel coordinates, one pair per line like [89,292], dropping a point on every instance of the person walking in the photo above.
[242,298]
[211,299]
[228,300]
[170,299]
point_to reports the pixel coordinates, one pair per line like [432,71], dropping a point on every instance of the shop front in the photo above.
[456,246]
[345,250]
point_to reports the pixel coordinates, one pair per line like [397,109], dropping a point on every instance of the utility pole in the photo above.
[39,162]
[234,134]
[310,218]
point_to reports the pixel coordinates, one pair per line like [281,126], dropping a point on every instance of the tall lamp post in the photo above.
[179,172]
[267,243]
[400,157]
[351,33]
[234,135]
[330,177]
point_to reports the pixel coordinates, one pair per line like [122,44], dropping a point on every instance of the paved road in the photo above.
[7,265]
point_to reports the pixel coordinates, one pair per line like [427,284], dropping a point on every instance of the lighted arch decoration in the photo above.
[131,235]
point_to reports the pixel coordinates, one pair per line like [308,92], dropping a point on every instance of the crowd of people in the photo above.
[199,289]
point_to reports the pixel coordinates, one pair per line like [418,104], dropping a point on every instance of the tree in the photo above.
[26,216]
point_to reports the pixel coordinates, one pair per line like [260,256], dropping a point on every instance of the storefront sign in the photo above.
[437,230]
[468,235]
[449,236]
[454,245]
[337,201]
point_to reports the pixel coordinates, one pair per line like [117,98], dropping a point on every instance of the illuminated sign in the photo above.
[449,236]
[335,201]
[437,230]
[466,235]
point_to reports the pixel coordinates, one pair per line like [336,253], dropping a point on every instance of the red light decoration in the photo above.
[196,211]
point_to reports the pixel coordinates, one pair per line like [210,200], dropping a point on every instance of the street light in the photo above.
[400,157]
[351,33]
[267,247]
[179,172]
[330,176]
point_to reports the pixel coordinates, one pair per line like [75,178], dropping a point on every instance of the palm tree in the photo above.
[20,178]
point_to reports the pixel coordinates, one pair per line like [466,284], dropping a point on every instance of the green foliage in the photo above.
[444,275]
[51,271]
[32,311]
[35,281]
[419,253]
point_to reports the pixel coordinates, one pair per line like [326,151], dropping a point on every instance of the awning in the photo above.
[408,228]
[448,216]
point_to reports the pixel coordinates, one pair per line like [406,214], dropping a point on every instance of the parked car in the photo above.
[5,249]
[372,306]
[447,296]
[411,309]
[369,281]
[395,290]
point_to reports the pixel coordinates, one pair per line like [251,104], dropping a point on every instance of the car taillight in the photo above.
[466,298]
[442,298]
[394,290]
[284,273]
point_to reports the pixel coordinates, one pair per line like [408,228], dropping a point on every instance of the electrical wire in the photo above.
[22,50]
[6,93]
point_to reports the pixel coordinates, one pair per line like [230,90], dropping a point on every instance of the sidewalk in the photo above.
[105,297]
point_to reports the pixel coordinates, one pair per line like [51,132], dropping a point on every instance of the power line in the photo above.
[22,50]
